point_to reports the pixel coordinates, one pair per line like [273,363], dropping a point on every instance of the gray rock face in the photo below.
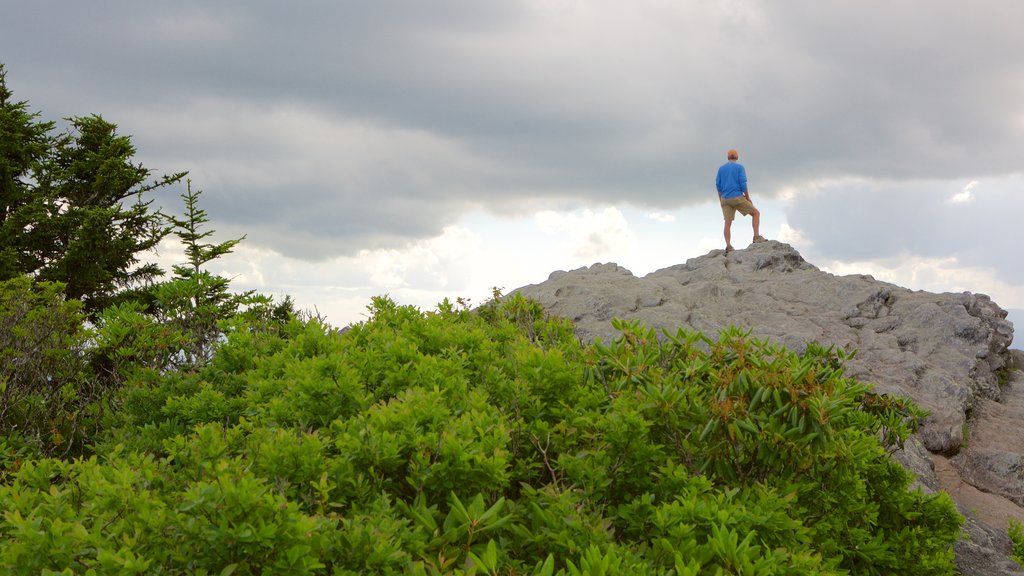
[948,352]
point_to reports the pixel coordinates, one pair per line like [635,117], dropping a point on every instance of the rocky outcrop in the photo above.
[949,352]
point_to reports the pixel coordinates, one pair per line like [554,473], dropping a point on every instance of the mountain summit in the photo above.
[949,352]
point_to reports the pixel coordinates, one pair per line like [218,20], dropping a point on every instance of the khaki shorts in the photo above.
[730,206]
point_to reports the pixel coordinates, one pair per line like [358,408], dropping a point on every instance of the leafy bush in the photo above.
[49,401]
[486,442]
[1016,533]
[129,514]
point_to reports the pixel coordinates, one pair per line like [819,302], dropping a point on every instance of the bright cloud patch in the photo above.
[661,217]
[592,235]
[435,263]
[966,195]
[792,236]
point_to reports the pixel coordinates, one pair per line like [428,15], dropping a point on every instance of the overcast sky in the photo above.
[439,148]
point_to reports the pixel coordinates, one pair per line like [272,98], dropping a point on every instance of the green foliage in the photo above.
[73,223]
[755,415]
[72,207]
[130,514]
[24,144]
[190,230]
[1016,534]
[194,301]
[183,318]
[483,442]
[49,400]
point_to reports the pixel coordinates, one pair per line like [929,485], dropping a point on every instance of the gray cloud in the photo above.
[329,127]
[871,221]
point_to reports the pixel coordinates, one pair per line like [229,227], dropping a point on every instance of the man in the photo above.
[732,193]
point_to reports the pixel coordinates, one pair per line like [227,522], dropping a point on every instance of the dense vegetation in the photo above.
[153,425]
[485,442]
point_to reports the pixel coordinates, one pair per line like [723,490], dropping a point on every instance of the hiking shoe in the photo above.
[758,239]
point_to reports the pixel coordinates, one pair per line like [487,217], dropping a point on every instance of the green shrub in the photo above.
[50,401]
[129,515]
[487,442]
[1016,533]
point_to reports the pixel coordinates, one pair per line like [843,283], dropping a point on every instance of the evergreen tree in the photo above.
[189,230]
[24,143]
[194,300]
[74,207]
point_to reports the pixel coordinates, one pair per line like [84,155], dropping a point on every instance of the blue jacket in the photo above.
[732,180]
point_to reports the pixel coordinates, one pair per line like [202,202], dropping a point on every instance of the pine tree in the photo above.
[24,144]
[194,301]
[73,205]
[188,229]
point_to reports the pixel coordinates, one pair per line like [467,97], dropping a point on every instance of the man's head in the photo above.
[732,155]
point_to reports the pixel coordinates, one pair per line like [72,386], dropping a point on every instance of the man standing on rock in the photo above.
[732,193]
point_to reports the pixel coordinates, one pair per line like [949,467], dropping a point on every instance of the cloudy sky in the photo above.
[438,148]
